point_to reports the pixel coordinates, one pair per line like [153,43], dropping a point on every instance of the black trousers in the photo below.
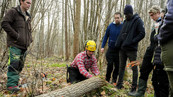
[112,57]
[123,58]
[145,69]
[159,78]
[74,75]
[160,83]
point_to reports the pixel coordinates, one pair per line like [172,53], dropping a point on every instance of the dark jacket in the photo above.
[18,29]
[153,43]
[132,32]
[166,31]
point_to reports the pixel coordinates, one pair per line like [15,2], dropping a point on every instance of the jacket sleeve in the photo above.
[6,24]
[147,66]
[105,37]
[141,30]
[167,27]
[150,49]
[94,68]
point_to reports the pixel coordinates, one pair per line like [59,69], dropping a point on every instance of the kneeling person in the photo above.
[84,61]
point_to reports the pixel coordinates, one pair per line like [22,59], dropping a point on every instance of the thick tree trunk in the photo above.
[78,89]
[77,28]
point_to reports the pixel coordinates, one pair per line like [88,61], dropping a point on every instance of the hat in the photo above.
[128,9]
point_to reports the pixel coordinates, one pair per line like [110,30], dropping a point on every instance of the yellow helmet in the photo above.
[90,45]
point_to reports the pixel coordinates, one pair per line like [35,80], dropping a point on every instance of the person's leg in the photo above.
[132,57]
[123,59]
[109,58]
[160,83]
[116,67]
[167,58]
[145,70]
[155,83]
[81,77]
[22,60]
[163,84]
[13,73]
[73,75]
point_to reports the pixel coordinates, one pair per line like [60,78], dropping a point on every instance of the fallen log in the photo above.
[78,89]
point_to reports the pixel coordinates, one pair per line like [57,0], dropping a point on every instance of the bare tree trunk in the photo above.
[77,28]
[32,11]
[162,2]
[128,1]
[62,40]
[140,6]
[49,33]
[40,39]
[5,4]
[66,33]
[69,31]
[3,47]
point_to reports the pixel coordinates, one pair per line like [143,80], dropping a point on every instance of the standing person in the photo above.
[17,24]
[79,68]
[166,40]
[153,62]
[132,32]
[112,55]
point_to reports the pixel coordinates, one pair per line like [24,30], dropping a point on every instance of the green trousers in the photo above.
[167,58]
[16,63]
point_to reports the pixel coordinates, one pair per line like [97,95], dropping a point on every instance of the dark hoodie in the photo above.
[132,32]
[18,28]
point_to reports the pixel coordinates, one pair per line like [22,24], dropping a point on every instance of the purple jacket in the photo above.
[166,31]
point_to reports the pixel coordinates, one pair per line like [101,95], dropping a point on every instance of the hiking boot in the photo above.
[119,86]
[141,89]
[132,91]
[13,89]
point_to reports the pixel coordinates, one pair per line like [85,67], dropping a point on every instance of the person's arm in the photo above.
[6,24]
[167,27]
[81,67]
[105,37]
[94,68]
[141,30]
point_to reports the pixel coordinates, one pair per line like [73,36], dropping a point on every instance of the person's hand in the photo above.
[102,50]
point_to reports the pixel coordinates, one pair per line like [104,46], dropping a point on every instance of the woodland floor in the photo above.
[34,83]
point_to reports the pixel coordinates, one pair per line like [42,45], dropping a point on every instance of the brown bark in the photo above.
[78,89]
[66,33]
[77,28]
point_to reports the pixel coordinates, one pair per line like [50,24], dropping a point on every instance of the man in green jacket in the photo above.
[17,25]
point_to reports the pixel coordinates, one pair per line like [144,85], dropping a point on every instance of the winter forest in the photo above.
[59,31]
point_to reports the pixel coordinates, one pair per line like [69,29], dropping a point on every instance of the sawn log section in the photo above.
[78,89]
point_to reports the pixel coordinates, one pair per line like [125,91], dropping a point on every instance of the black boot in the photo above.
[141,89]
[132,91]
[119,86]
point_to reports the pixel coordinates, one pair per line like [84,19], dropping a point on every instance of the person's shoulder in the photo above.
[138,19]
[81,54]
[111,24]
[11,10]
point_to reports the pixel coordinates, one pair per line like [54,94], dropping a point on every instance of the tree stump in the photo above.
[78,89]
